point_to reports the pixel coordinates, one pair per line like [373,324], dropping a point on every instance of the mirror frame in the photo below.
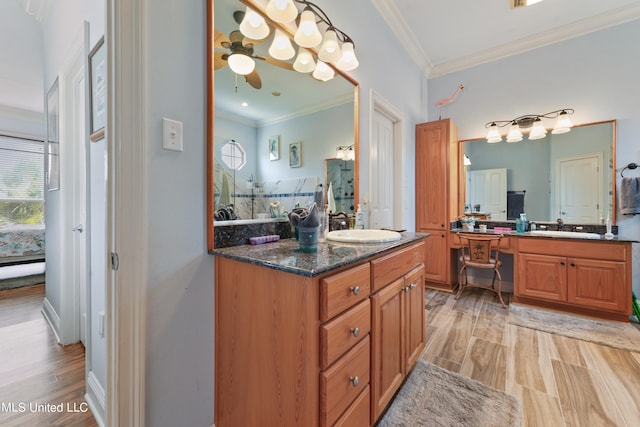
[210,114]
[462,178]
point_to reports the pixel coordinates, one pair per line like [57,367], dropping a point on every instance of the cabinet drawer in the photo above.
[609,251]
[388,268]
[343,290]
[343,382]
[340,334]
[357,415]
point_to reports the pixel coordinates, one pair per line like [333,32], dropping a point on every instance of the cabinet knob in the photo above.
[405,289]
[573,265]
[411,286]
[561,262]
[355,331]
[355,290]
[354,380]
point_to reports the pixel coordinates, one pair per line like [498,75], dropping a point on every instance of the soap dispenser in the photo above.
[521,223]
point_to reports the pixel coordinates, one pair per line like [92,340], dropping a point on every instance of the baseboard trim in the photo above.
[96,398]
[52,318]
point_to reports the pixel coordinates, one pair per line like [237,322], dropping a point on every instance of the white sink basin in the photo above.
[567,234]
[363,236]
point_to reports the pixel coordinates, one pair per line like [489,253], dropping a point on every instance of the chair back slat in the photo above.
[478,248]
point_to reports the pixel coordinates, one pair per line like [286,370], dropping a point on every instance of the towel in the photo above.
[630,196]
[225,192]
[331,201]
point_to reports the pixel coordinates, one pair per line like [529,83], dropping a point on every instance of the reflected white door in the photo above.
[381,165]
[580,192]
[488,188]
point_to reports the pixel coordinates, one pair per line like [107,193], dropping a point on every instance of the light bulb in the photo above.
[241,64]
[282,11]
[253,25]
[304,62]
[308,34]
[281,47]
[330,50]
[348,61]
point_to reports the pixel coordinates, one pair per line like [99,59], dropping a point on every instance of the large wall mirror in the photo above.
[569,176]
[269,133]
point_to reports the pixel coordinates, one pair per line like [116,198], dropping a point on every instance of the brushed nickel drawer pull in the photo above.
[354,380]
[355,290]
[355,331]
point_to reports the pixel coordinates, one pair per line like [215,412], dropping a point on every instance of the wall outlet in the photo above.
[172,135]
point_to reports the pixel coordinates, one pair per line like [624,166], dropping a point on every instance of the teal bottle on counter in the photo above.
[522,223]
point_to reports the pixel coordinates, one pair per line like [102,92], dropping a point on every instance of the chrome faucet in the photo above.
[560,224]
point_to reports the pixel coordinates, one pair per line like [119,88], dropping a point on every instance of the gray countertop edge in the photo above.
[526,234]
[271,255]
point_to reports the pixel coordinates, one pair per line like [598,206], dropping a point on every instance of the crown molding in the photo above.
[577,29]
[392,16]
[335,102]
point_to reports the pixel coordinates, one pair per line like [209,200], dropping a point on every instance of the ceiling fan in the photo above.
[237,44]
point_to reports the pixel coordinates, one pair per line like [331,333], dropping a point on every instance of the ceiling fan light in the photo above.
[241,64]
[537,131]
[253,25]
[348,60]
[330,50]
[304,62]
[308,34]
[323,72]
[282,11]
[494,134]
[514,135]
[563,125]
[281,47]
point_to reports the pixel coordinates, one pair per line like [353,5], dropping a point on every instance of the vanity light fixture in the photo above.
[253,25]
[346,152]
[334,46]
[531,123]
[467,160]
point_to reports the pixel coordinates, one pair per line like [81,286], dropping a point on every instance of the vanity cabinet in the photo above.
[295,349]
[398,335]
[437,196]
[582,276]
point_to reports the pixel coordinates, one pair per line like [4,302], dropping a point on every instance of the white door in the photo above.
[488,189]
[580,188]
[381,165]
[76,255]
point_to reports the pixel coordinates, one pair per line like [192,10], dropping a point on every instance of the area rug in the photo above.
[433,396]
[619,335]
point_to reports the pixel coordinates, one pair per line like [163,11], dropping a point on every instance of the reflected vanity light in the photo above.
[467,160]
[531,123]
[253,25]
[346,152]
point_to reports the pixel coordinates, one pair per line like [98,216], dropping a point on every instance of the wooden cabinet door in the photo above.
[542,276]
[436,256]
[414,326]
[387,358]
[432,145]
[598,284]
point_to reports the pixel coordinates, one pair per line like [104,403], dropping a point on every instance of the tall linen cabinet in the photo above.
[437,198]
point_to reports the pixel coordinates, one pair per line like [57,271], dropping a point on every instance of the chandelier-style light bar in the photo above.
[334,46]
[531,123]
[346,152]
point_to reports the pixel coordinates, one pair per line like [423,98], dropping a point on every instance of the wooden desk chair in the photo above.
[480,251]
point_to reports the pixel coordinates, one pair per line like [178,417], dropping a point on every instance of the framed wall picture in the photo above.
[274,147]
[295,154]
[98,90]
[53,138]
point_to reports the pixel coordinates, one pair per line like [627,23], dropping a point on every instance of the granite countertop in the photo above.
[285,254]
[527,234]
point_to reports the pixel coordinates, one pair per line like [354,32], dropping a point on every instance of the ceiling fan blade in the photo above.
[218,60]
[238,16]
[253,78]
[219,38]
[278,63]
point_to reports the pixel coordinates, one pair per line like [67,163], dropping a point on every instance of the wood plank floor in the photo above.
[38,377]
[560,381]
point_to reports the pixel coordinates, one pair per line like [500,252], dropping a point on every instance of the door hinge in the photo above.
[114,261]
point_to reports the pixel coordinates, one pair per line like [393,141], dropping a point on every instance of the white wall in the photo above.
[596,74]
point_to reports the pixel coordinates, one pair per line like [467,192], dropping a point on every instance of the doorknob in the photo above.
[79,228]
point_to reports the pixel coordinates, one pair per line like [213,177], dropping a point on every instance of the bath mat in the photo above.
[620,335]
[433,396]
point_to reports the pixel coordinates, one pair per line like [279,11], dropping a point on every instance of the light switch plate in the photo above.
[172,135]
